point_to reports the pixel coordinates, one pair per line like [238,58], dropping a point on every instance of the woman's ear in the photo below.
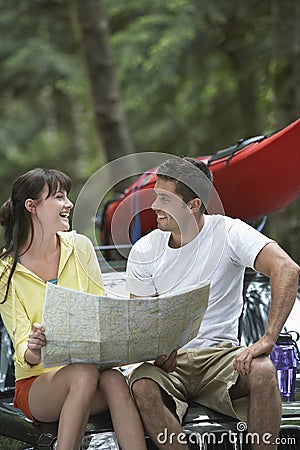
[30,205]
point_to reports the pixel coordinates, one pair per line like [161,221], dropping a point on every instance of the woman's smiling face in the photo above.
[52,211]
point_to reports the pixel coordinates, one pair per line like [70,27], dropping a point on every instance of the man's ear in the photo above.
[194,205]
[30,205]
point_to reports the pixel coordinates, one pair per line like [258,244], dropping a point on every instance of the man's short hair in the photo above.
[192,178]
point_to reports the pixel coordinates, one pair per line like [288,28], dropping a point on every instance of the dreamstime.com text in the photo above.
[241,436]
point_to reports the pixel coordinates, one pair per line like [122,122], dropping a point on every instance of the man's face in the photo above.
[171,211]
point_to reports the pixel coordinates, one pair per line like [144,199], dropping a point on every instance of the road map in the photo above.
[111,332]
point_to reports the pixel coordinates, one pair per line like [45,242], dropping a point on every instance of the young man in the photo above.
[189,248]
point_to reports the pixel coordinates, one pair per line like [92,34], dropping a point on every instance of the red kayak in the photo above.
[253,178]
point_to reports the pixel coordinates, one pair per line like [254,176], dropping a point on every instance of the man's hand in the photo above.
[243,361]
[167,363]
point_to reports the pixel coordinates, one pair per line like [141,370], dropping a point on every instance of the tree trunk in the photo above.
[110,118]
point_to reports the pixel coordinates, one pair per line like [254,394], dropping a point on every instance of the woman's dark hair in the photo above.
[16,220]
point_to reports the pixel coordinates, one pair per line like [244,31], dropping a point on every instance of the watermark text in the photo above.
[240,436]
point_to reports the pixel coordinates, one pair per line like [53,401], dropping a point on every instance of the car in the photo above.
[203,427]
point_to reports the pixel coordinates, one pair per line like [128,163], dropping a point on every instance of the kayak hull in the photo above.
[251,181]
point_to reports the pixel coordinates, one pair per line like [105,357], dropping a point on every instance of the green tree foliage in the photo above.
[195,77]
[195,74]
[45,112]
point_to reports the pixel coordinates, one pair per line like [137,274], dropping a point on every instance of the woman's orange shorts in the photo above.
[21,396]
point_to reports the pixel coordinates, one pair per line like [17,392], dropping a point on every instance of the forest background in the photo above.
[84,82]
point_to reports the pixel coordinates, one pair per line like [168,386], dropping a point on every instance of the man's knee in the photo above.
[145,390]
[263,374]
[149,396]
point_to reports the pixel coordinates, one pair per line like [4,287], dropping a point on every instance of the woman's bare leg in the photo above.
[78,390]
[125,417]
[68,394]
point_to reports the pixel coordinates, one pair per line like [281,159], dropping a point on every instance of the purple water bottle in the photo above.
[285,361]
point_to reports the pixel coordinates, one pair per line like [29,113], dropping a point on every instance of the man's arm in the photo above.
[283,272]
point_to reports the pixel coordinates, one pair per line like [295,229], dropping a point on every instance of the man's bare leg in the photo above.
[161,425]
[264,415]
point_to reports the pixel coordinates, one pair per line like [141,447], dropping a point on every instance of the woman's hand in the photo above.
[36,341]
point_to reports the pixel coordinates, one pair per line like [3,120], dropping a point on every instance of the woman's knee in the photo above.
[114,384]
[112,379]
[83,377]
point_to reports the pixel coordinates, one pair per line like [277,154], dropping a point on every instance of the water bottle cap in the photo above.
[284,338]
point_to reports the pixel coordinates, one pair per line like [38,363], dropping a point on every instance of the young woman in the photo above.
[38,248]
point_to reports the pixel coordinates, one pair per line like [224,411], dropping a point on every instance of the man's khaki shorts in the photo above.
[202,376]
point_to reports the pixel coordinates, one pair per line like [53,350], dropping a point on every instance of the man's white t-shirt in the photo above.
[219,255]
